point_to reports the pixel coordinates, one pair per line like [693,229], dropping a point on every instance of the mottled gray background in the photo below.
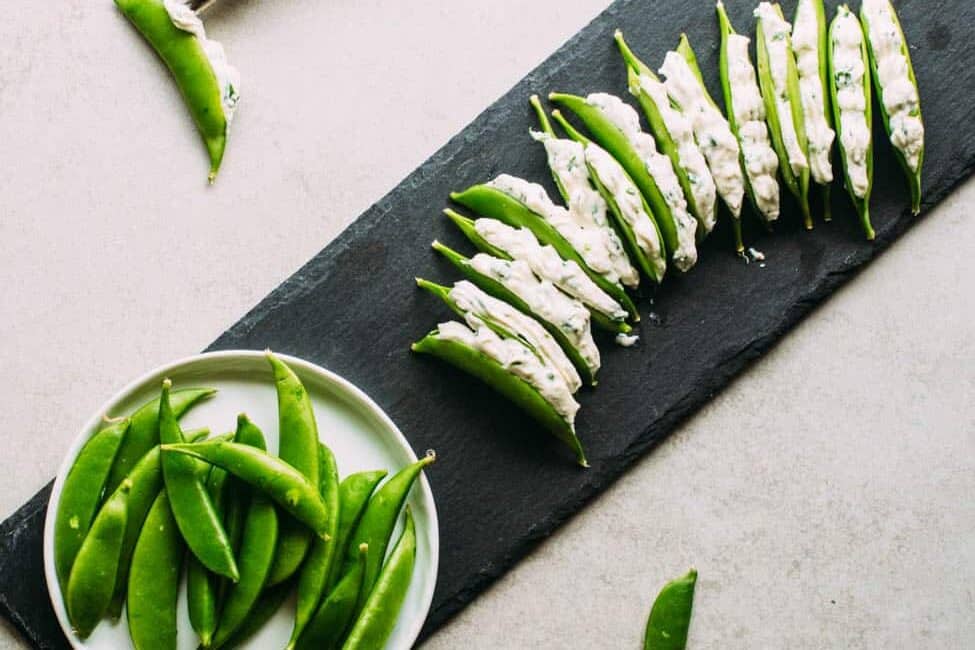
[827,497]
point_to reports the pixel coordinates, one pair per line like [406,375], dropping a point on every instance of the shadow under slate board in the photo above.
[355,310]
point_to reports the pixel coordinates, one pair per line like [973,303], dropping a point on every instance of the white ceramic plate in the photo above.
[359,433]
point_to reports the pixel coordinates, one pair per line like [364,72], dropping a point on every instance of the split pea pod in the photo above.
[280,481]
[384,600]
[198,520]
[154,580]
[202,587]
[326,630]
[849,85]
[297,446]
[257,546]
[354,493]
[670,617]
[82,493]
[92,579]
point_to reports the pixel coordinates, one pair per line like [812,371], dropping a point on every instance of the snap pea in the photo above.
[143,433]
[326,629]
[92,577]
[210,99]
[783,105]
[257,547]
[905,128]
[670,616]
[494,288]
[354,493]
[202,587]
[280,481]
[267,605]
[81,494]
[154,580]
[675,138]
[515,389]
[313,576]
[297,446]
[385,599]
[856,149]
[198,520]
[599,318]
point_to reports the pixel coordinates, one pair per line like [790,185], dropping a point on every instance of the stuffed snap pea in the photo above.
[616,127]
[746,116]
[593,235]
[674,133]
[501,240]
[896,86]
[210,85]
[849,81]
[779,81]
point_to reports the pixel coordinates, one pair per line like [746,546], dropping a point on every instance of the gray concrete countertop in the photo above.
[826,497]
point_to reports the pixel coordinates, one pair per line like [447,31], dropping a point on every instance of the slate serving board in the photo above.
[353,308]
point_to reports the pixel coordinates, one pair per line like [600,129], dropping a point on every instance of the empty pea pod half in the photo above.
[896,86]
[849,82]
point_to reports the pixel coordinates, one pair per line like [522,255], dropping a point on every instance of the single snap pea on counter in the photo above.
[674,133]
[92,578]
[326,630]
[616,127]
[512,369]
[202,587]
[521,204]
[82,493]
[257,547]
[267,605]
[143,433]
[631,214]
[280,481]
[896,87]
[500,240]
[154,580]
[746,117]
[566,319]
[592,235]
[779,81]
[354,492]
[384,601]
[298,446]
[849,86]
[210,85]
[313,576]
[670,617]
[198,520]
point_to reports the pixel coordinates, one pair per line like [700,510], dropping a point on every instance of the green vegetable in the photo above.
[267,605]
[670,617]
[326,631]
[202,587]
[354,493]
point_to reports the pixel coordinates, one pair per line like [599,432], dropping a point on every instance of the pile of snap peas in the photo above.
[145,502]
[640,201]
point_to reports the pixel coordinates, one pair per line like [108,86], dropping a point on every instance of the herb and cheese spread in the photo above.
[544,299]
[805,44]
[898,93]
[661,170]
[851,100]
[760,162]
[567,275]
[228,78]
[776,32]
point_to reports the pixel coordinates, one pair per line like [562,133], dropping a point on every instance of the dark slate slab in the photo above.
[354,309]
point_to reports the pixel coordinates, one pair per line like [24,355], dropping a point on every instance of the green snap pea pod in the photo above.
[491,202]
[783,104]
[209,91]
[266,606]
[276,478]
[198,520]
[154,580]
[81,494]
[298,446]
[901,114]
[354,493]
[202,586]
[314,572]
[238,498]
[257,547]
[326,629]
[670,616]
[143,433]
[92,577]
[849,86]
[586,367]
[385,599]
